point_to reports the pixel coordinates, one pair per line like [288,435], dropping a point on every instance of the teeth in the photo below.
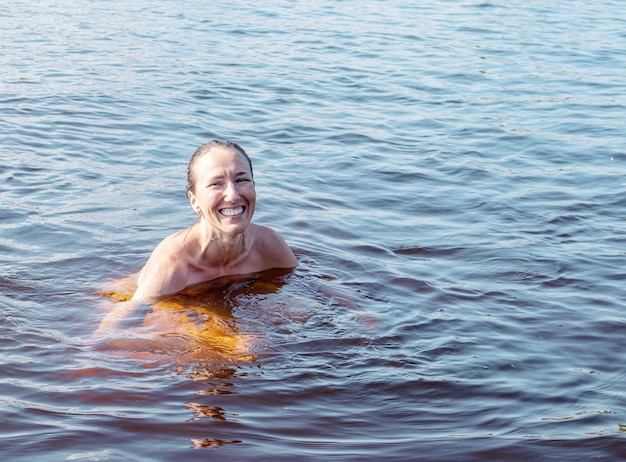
[232,212]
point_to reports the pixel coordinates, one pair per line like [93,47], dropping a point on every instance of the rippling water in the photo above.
[450,175]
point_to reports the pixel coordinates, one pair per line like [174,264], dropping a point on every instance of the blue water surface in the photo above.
[449,173]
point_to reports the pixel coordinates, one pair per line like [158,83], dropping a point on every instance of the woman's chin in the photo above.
[235,228]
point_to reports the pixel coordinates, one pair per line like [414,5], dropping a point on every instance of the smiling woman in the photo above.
[222,242]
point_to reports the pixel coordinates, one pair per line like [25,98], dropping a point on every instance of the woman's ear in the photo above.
[192,201]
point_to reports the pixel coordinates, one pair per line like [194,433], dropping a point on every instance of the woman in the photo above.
[222,242]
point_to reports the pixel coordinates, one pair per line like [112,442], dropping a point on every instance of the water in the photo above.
[450,175]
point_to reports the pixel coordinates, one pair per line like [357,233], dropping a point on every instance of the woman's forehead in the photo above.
[220,159]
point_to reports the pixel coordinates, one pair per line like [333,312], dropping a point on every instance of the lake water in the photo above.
[450,174]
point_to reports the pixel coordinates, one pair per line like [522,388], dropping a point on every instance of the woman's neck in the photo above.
[219,249]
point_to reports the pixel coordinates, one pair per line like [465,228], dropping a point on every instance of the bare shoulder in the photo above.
[272,248]
[165,272]
[172,244]
[169,250]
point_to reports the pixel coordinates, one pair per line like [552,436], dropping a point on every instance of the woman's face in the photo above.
[224,193]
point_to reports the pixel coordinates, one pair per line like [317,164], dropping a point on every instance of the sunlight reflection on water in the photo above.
[449,174]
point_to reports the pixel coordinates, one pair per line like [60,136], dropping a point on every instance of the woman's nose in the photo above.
[230,193]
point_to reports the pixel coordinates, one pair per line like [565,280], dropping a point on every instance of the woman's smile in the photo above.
[231,211]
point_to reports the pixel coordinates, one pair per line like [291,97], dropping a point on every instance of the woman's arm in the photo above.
[111,321]
[162,275]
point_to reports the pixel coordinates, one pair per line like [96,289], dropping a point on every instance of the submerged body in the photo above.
[197,324]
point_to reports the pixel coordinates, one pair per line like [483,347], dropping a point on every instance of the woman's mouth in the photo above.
[232,211]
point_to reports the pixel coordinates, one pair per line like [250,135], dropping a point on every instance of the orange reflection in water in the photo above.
[195,326]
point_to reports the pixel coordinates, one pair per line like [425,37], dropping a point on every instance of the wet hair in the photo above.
[205,149]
